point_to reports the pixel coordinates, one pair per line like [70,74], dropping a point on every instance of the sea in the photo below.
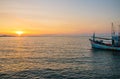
[56,58]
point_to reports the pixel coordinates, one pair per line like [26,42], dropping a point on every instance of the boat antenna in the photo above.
[113,30]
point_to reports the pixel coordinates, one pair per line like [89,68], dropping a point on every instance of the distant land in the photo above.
[7,36]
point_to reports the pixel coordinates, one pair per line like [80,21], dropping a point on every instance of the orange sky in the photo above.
[36,17]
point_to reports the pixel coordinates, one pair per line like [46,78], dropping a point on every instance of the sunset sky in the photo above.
[36,17]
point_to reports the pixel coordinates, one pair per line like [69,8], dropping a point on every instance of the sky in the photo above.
[37,17]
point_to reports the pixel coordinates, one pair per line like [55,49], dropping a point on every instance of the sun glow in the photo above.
[19,33]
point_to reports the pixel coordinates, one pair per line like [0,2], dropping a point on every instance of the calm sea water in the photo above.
[55,58]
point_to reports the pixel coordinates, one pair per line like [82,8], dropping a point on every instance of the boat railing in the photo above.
[103,38]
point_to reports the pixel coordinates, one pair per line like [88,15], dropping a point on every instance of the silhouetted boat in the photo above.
[99,42]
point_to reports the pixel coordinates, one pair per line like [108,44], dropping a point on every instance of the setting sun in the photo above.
[19,33]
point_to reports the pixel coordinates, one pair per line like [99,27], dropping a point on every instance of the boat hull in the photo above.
[101,46]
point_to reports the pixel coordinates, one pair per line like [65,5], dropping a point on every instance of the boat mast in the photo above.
[113,34]
[119,31]
[119,36]
[94,36]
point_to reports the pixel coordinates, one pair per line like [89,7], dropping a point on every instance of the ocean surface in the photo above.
[56,58]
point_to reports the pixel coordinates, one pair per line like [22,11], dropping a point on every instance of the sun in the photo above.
[19,33]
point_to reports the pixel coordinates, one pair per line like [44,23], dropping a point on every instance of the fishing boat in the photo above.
[100,42]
